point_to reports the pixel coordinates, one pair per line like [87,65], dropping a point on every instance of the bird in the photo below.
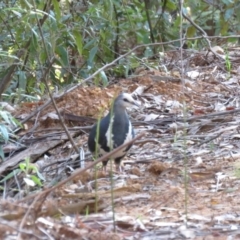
[112,131]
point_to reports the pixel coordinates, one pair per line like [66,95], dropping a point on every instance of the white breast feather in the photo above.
[109,135]
[129,134]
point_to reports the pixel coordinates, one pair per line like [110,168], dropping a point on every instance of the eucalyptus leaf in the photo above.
[104,78]
[78,41]
[92,54]
[57,9]
[63,55]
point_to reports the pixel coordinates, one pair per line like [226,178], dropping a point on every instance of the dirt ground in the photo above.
[180,179]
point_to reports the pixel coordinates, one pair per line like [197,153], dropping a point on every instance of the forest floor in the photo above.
[181,180]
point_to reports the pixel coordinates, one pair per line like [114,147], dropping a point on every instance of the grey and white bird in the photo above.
[113,130]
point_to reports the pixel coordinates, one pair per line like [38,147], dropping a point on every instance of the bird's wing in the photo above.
[98,131]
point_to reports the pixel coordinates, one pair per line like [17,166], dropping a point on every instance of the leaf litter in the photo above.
[181,180]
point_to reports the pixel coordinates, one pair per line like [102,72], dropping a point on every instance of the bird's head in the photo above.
[125,100]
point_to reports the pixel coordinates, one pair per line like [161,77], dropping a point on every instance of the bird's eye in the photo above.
[125,100]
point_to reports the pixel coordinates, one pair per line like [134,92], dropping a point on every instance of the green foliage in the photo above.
[228,63]
[215,19]
[4,137]
[7,121]
[20,96]
[83,38]
[32,175]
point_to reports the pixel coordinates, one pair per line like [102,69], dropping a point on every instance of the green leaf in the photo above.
[92,54]
[63,55]
[148,52]
[57,9]
[191,31]
[7,55]
[224,28]
[15,122]
[5,116]
[26,4]
[33,168]
[92,42]
[104,78]
[4,132]
[27,163]
[22,80]
[78,41]
[36,180]
[171,5]
[232,40]
[127,68]
[2,153]
[22,166]
[10,175]
[34,44]
[41,13]
[42,87]
[228,14]
[17,13]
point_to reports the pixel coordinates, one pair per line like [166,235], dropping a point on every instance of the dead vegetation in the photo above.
[186,162]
